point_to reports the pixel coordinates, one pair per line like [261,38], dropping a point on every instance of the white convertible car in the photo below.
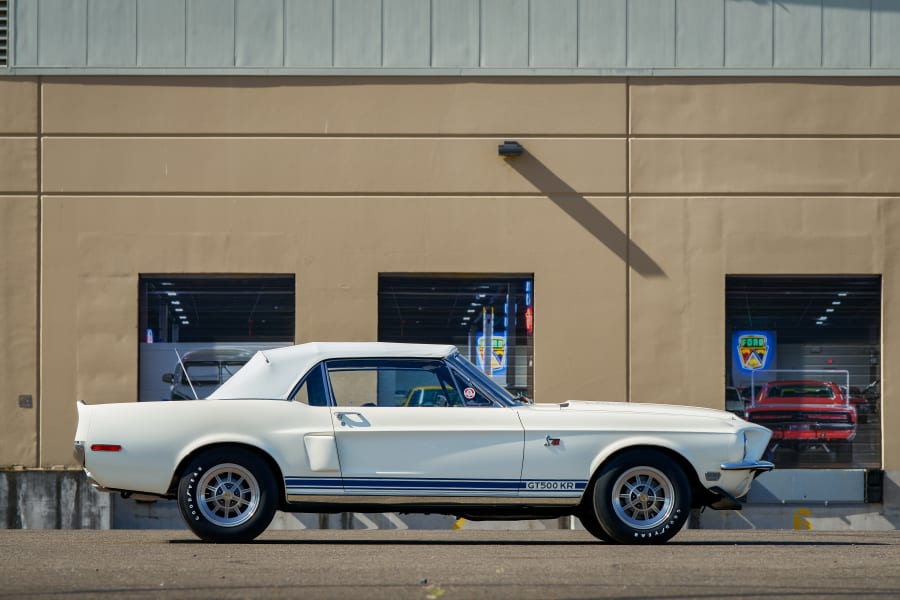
[371,427]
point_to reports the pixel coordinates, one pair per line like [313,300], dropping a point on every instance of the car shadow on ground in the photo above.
[445,542]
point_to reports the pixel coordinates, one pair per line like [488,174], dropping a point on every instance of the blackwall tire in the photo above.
[227,495]
[641,497]
[592,525]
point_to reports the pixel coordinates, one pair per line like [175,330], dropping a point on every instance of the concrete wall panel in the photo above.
[331,106]
[18,164]
[320,165]
[765,166]
[18,330]
[18,105]
[736,107]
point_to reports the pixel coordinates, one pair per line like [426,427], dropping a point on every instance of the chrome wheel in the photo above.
[643,497]
[227,495]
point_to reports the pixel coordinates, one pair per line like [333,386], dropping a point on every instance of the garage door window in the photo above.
[196,331]
[803,359]
[489,318]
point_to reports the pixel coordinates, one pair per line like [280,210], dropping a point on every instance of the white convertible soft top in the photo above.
[274,373]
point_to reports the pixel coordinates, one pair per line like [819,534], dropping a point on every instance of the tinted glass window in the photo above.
[312,390]
[376,382]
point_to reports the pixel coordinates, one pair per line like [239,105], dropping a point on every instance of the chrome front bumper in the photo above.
[755,466]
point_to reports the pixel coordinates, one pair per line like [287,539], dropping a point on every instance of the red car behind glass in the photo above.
[806,414]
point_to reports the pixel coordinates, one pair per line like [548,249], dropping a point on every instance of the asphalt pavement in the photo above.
[448,565]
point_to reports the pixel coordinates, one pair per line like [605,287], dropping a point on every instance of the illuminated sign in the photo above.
[754,350]
[498,353]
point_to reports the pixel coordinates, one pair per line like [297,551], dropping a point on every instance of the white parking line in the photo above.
[396,521]
[369,523]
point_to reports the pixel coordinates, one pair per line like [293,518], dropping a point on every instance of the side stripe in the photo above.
[449,485]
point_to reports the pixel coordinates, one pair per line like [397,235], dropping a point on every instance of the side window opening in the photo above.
[393,383]
[312,390]
[471,395]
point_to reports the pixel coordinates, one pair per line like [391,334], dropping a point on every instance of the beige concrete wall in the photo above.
[635,201]
[745,177]
[18,271]
[335,106]
[228,196]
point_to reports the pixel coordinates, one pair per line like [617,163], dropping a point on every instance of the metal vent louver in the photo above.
[4,34]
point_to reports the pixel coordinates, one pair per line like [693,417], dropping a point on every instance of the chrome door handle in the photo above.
[341,415]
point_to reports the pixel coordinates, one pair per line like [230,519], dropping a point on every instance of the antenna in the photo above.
[186,376]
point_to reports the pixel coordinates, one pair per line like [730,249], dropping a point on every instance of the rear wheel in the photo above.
[227,495]
[641,497]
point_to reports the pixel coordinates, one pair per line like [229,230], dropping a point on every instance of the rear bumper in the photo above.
[813,434]
[78,453]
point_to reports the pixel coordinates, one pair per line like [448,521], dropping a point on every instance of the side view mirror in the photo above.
[168,378]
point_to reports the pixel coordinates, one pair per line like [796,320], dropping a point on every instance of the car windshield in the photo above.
[485,383]
[800,391]
[202,373]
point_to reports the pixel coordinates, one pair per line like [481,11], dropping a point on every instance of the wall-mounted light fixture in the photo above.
[510,149]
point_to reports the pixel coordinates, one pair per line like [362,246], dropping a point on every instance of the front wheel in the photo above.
[641,497]
[227,495]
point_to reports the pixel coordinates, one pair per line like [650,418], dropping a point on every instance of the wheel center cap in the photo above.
[643,497]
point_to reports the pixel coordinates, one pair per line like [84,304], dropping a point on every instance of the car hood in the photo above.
[637,408]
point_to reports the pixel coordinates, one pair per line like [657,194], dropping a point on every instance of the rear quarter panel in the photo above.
[156,436]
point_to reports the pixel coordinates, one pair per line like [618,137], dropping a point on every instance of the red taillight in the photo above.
[106,447]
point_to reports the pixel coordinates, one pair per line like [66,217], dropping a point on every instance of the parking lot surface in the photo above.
[429,565]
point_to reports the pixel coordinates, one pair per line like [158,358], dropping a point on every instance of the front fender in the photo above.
[642,441]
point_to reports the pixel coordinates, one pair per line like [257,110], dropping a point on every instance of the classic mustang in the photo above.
[807,414]
[328,427]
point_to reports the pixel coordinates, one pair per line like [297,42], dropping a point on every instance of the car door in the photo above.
[404,428]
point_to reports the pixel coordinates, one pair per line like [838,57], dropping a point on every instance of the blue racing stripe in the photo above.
[400,484]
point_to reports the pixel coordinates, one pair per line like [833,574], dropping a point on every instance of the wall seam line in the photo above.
[628,291]
[39,184]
